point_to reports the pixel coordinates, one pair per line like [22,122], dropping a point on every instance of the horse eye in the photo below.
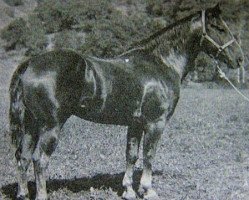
[219,28]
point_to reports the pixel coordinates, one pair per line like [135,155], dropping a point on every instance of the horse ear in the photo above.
[217,9]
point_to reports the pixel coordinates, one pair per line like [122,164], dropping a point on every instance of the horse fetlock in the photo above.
[41,198]
[127,181]
[146,181]
[22,189]
[41,194]
[129,194]
[151,195]
[22,195]
[23,164]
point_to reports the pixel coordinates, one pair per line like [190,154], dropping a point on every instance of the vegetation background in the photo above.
[106,28]
[204,152]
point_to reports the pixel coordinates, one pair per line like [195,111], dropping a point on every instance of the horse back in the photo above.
[128,87]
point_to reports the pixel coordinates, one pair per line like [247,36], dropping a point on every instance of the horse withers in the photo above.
[139,89]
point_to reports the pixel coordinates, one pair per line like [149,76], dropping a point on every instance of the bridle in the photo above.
[207,37]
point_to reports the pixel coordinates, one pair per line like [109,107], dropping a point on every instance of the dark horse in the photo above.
[139,89]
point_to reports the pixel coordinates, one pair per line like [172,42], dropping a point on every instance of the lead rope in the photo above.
[223,75]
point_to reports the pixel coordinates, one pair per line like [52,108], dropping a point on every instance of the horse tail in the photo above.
[17,107]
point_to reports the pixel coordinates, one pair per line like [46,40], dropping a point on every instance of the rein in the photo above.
[206,36]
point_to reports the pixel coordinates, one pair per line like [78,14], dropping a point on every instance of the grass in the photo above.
[203,154]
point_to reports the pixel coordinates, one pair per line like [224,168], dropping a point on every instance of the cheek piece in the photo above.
[220,48]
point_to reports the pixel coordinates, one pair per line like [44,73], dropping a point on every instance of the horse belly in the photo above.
[117,108]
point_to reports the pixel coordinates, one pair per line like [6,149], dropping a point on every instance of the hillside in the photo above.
[107,28]
[8,12]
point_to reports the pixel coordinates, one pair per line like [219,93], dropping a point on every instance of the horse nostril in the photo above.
[240,60]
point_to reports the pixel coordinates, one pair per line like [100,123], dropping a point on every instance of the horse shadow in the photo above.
[99,181]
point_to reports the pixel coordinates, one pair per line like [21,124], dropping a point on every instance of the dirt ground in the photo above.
[203,154]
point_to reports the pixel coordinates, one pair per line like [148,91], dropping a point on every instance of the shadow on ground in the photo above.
[76,185]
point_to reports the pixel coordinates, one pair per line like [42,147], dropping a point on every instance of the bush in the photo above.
[59,15]
[14,33]
[69,39]
[29,34]
[109,37]
[109,31]
[14,2]
[34,37]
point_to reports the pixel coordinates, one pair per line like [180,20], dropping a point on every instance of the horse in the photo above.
[139,89]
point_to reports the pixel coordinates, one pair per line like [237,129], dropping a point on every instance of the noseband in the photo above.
[206,36]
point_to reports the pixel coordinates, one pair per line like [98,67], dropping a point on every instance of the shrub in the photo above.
[14,2]
[69,39]
[58,15]
[14,33]
[109,37]
[34,37]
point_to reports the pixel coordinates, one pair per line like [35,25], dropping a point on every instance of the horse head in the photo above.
[217,39]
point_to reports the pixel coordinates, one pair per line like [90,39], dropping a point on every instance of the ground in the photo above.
[203,153]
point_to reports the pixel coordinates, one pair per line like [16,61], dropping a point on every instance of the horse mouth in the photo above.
[240,62]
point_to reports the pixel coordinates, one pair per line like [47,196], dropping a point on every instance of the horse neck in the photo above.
[180,47]
[177,61]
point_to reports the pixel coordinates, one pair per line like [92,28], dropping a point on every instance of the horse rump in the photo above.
[17,107]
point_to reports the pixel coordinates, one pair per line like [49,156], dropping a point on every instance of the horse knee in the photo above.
[48,141]
[23,160]
[23,163]
[133,159]
[49,144]
[45,147]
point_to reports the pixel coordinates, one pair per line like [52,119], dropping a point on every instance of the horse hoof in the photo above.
[129,195]
[21,197]
[151,195]
[41,198]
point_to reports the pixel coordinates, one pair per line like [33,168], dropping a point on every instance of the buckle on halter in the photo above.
[206,36]
[220,49]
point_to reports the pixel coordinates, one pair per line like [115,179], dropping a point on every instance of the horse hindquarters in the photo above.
[21,127]
[45,108]
[34,126]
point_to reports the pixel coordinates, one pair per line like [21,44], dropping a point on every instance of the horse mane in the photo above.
[161,32]
[153,41]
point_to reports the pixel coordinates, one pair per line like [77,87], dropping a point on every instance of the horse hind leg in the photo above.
[46,145]
[133,140]
[23,155]
[152,135]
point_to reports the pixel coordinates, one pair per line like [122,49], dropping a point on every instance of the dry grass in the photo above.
[203,154]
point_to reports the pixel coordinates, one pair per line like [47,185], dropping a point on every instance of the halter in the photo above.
[220,49]
[206,36]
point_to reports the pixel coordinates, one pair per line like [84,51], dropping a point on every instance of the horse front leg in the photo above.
[133,140]
[152,135]
[45,147]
